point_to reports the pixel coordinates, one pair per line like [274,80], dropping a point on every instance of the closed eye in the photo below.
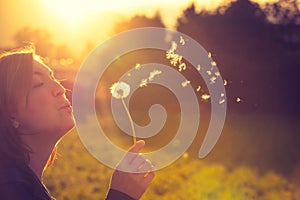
[38,85]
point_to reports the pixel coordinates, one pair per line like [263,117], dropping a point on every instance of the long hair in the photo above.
[15,82]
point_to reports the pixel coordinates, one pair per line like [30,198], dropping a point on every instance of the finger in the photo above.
[137,146]
[138,160]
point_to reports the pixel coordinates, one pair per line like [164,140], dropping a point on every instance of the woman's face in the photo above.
[45,110]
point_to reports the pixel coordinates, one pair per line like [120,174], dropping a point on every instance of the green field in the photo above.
[254,159]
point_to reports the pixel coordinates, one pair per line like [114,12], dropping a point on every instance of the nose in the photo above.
[58,89]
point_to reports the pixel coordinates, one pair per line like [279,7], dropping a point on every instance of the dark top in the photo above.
[21,183]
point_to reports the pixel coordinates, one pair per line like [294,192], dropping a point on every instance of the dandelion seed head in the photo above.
[120,90]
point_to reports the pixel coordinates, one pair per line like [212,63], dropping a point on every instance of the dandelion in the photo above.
[121,90]
[185,83]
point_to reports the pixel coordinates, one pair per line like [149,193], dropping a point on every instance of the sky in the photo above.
[78,22]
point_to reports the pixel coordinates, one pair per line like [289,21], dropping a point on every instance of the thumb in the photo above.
[137,146]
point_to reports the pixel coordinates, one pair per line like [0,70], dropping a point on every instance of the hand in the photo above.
[134,173]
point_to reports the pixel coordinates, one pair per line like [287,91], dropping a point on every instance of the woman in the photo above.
[34,115]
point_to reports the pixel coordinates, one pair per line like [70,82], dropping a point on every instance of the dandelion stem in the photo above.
[130,119]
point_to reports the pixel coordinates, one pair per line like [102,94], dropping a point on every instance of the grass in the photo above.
[247,163]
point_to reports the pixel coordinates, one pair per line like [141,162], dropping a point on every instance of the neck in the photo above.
[40,153]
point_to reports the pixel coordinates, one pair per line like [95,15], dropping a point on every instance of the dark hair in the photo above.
[15,81]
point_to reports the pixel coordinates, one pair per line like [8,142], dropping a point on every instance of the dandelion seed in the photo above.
[221,101]
[225,82]
[198,88]
[185,83]
[173,46]
[238,100]
[153,74]
[208,72]
[182,41]
[121,90]
[144,83]
[185,155]
[128,74]
[198,67]
[222,94]
[205,96]
[182,66]
[137,66]
[213,63]
[209,55]
[213,80]
[217,73]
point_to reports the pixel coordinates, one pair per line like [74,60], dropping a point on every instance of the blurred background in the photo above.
[256,45]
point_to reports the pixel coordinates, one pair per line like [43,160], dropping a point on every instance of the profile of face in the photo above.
[45,110]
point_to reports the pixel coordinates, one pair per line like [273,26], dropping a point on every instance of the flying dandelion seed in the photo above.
[185,83]
[182,67]
[182,41]
[208,72]
[225,82]
[238,100]
[213,63]
[138,66]
[222,94]
[198,88]
[217,73]
[213,80]
[209,55]
[121,90]
[153,74]
[198,67]
[221,101]
[144,83]
[128,74]
[205,96]
[173,46]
